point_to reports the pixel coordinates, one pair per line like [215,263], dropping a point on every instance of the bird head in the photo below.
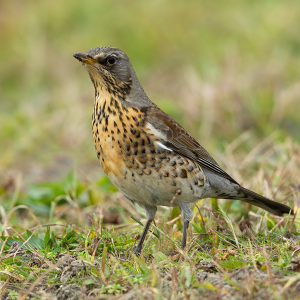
[110,68]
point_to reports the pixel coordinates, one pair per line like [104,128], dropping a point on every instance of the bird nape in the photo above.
[146,154]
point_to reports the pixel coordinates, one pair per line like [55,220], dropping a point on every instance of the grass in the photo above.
[228,71]
[67,245]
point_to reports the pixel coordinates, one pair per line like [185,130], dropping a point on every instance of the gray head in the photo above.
[111,69]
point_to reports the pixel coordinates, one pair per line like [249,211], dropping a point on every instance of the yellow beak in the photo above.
[85,58]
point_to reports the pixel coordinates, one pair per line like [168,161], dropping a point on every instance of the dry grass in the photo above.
[235,252]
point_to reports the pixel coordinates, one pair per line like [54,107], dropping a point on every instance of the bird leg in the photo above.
[187,214]
[186,226]
[138,249]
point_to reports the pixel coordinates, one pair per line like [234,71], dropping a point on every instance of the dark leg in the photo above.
[186,226]
[138,249]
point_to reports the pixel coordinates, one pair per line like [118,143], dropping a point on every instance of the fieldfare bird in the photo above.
[146,154]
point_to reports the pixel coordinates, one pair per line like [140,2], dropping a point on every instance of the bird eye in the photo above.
[111,60]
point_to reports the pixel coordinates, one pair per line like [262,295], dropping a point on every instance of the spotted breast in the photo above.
[130,153]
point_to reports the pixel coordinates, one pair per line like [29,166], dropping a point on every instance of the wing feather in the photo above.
[178,140]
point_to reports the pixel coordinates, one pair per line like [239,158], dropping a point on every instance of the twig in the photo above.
[230,244]
[276,225]
[178,192]
[202,221]
[252,237]
[292,223]
[100,220]
[252,255]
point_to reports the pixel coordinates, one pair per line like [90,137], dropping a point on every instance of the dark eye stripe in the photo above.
[101,60]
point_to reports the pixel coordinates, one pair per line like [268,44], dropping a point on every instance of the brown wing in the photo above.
[181,142]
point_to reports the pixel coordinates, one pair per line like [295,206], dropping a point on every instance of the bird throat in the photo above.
[110,102]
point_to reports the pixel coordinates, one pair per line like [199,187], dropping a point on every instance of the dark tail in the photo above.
[269,205]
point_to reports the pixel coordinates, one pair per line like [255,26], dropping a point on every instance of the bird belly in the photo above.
[154,190]
[152,178]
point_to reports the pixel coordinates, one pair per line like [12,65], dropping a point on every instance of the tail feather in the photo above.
[226,189]
[269,205]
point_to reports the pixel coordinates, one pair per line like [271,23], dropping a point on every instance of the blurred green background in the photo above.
[228,71]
